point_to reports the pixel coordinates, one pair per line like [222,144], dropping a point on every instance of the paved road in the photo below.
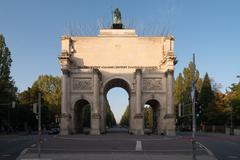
[122,145]
[224,147]
[12,145]
[117,146]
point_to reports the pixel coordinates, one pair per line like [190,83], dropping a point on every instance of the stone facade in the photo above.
[143,66]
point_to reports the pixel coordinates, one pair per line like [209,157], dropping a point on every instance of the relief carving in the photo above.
[82,84]
[152,84]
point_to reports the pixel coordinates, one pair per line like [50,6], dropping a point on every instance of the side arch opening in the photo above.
[151,116]
[82,116]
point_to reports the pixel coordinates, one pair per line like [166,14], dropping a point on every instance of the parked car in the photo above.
[54,131]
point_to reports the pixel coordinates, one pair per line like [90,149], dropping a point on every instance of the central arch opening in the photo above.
[117,98]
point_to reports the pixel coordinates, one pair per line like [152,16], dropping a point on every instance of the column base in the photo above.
[95,124]
[64,126]
[138,130]
[95,132]
[170,125]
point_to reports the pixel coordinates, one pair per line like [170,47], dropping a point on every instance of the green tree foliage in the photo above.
[50,88]
[7,88]
[234,102]
[207,101]
[182,92]
[179,90]
[183,85]
[206,95]
[148,117]
[110,119]
[86,114]
[125,117]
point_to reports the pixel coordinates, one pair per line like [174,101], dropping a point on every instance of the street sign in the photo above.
[35,108]
[13,104]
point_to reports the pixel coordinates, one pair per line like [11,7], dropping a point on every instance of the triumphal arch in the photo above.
[117,57]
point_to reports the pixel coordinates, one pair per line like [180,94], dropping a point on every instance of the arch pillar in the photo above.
[169,118]
[95,115]
[139,121]
[65,116]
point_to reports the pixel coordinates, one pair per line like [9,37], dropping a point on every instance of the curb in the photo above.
[210,153]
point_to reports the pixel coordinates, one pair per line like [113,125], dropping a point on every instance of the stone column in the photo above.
[139,122]
[170,81]
[65,117]
[138,91]
[170,117]
[95,118]
[96,93]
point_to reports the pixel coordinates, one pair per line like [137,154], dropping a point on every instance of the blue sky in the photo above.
[208,28]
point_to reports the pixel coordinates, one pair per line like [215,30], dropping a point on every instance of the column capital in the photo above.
[66,72]
[170,71]
[138,71]
[98,73]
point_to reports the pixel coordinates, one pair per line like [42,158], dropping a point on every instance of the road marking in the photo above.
[22,153]
[206,149]
[36,159]
[108,150]
[110,139]
[5,155]
[33,145]
[138,145]
[233,157]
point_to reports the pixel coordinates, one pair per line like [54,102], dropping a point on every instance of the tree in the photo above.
[50,87]
[234,102]
[183,85]
[207,101]
[86,114]
[125,117]
[182,92]
[111,121]
[7,88]
[148,117]
[179,90]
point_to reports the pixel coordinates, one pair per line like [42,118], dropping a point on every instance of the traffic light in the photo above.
[199,110]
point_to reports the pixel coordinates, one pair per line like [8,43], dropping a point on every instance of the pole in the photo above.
[231,127]
[8,130]
[193,101]
[39,124]
[193,110]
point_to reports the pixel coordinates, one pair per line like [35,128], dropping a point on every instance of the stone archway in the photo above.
[82,116]
[143,66]
[154,108]
[117,82]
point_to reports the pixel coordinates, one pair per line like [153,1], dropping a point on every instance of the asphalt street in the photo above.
[12,145]
[224,147]
[121,145]
[118,145]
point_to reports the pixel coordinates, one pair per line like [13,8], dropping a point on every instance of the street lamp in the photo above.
[231,127]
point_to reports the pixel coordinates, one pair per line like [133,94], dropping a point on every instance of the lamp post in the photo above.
[231,122]
[39,125]
[193,111]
